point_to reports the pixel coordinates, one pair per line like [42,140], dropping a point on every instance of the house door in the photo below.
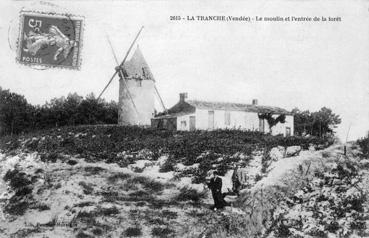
[211,120]
[288,131]
[192,123]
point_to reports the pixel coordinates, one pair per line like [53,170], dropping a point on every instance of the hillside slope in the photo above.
[100,183]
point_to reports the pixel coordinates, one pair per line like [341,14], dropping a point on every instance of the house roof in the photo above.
[171,115]
[189,107]
[236,107]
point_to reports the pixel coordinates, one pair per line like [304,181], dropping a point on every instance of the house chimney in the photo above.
[182,97]
[254,102]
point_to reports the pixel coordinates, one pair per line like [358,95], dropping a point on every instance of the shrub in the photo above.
[364,145]
[108,211]
[162,232]
[186,194]
[72,162]
[119,176]
[147,183]
[49,157]
[87,188]
[326,154]
[167,166]
[17,179]
[97,231]
[93,170]
[133,232]
[169,214]
[82,234]
[16,208]
[21,200]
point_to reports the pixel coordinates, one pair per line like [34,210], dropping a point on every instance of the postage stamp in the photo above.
[50,40]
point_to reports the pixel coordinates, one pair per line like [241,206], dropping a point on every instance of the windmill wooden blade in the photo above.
[111,79]
[122,75]
[160,99]
[121,64]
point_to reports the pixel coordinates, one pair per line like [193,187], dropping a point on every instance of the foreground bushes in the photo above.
[364,145]
[106,142]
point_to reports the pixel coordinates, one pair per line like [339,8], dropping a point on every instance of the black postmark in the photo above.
[50,40]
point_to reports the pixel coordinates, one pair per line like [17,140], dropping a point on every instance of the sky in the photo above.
[306,65]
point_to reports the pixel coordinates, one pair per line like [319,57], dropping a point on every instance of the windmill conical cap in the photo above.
[137,66]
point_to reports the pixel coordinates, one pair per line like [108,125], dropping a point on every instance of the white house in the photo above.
[188,115]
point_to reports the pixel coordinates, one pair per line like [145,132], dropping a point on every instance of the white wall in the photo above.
[280,128]
[142,93]
[185,118]
[238,120]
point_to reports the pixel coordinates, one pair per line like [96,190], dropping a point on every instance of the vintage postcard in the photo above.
[197,119]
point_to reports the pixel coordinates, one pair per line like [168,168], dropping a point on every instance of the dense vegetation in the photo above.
[125,145]
[320,123]
[18,116]
[364,145]
[107,141]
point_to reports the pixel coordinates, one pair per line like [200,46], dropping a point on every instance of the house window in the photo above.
[261,125]
[288,131]
[227,118]
[183,125]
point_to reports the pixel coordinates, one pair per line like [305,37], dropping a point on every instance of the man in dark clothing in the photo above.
[236,181]
[215,185]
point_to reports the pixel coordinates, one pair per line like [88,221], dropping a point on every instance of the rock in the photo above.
[72,162]
[180,167]
[194,166]
[293,151]
[277,153]
[140,164]
[161,160]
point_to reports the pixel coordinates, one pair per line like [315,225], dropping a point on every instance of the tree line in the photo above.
[19,116]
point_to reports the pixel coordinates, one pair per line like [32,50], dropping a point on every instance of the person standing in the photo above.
[215,186]
[236,184]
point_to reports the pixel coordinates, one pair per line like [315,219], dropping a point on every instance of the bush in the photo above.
[167,166]
[186,194]
[364,145]
[162,232]
[108,211]
[87,188]
[133,232]
[16,179]
[119,176]
[169,214]
[21,200]
[94,170]
[147,183]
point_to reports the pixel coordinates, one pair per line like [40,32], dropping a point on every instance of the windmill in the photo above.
[136,88]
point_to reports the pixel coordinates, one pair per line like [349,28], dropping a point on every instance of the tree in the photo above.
[15,113]
[271,120]
[318,123]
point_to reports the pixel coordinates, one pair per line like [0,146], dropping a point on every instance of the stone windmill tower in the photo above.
[136,92]
[137,89]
